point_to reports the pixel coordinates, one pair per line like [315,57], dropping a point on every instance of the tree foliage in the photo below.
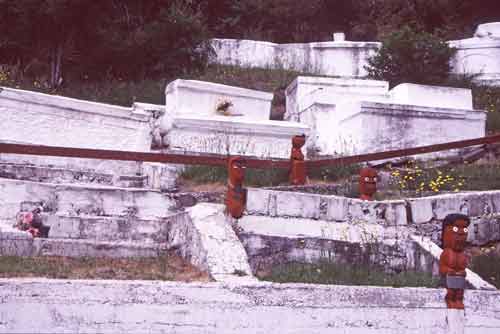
[407,55]
[62,40]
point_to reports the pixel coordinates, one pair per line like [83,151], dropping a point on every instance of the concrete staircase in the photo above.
[88,214]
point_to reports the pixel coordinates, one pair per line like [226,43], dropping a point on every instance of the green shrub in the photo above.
[411,56]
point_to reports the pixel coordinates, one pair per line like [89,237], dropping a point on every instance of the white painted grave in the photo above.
[363,116]
[305,91]
[200,98]
[233,136]
[42,119]
[204,117]
[479,55]
[336,58]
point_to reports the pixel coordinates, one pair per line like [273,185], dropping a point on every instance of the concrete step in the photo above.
[81,200]
[50,174]
[99,228]
[19,243]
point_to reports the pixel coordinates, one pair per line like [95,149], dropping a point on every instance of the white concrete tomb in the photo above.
[199,98]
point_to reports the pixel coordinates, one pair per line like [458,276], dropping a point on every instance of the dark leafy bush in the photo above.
[411,56]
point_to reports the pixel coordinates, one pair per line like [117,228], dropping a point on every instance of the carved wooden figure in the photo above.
[453,261]
[236,194]
[367,183]
[298,167]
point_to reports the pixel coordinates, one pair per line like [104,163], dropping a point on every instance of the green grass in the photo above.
[124,93]
[488,98]
[253,177]
[330,273]
[165,267]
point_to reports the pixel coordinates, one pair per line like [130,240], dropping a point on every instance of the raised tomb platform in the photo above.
[233,136]
[336,58]
[479,55]
[212,118]
[41,119]
[364,116]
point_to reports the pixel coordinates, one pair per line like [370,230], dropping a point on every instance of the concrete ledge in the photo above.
[30,97]
[64,306]
[71,199]
[330,208]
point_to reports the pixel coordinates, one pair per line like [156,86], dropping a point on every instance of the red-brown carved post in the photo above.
[236,195]
[298,166]
[453,261]
[367,183]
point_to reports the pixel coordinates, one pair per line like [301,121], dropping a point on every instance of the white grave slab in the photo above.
[432,96]
[335,58]
[201,99]
[305,91]
[479,55]
[362,116]
[373,127]
[42,119]
[233,135]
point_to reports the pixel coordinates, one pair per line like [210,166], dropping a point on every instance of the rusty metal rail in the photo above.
[403,152]
[187,159]
[221,160]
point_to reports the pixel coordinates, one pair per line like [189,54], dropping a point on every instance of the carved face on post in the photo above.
[236,171]
[455,228]
[298,141]
[367,183]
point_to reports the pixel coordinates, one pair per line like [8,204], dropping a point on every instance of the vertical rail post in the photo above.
[297,164]
[236,195]
[367,183]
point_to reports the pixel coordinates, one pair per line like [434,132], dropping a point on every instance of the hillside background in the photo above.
[119,51]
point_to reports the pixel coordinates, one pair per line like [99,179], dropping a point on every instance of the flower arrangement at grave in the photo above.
[224,107]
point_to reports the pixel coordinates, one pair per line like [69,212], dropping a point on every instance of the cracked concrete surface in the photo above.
[65,306]
[205,238]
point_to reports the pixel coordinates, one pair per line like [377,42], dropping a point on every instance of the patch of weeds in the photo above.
[333,173]
[479,176]
[488,98]
[412,177]
[331,273]
[164,267]
[488,267]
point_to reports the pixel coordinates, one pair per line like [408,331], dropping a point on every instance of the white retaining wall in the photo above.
[424,214]
[68,306]
[41,119]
